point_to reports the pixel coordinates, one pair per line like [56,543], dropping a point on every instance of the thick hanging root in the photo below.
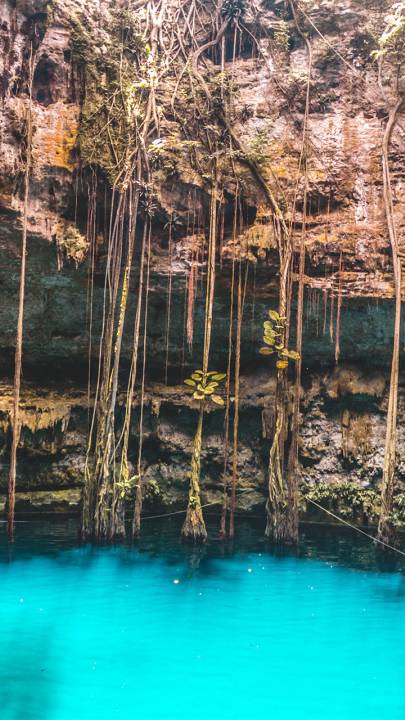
[282,503]
[194,526]
[136,522]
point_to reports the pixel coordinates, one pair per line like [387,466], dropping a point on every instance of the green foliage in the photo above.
[206,384]
[392,41]
[346,498]
[126,485]
[127,85]
[273,336]
[297,80]
[116,81]
[255,151]
[350,500]
[398,513]
[147,200]
[70,240]
[281,36]
[233,9]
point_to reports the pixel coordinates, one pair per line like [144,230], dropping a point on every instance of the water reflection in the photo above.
[161,538]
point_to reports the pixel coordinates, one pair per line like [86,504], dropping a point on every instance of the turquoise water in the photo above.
[161,632]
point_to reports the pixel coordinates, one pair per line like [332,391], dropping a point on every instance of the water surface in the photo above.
[163,632]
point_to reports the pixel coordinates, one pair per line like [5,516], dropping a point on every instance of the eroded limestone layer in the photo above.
[346,240]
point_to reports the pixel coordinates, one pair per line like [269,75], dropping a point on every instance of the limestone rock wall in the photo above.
[346,240]
[342,440]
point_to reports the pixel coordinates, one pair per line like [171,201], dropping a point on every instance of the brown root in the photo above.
[386,530]
[194,526]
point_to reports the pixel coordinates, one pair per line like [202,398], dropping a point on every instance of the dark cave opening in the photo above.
[45,83]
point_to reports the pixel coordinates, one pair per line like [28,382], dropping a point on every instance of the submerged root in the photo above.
[282,503]
[282,523]
[194,526]
[136,522]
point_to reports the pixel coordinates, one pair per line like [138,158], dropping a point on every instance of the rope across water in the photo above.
[354,527]
[313,502]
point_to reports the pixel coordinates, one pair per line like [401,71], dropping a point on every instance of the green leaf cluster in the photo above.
[281,35]
[116,82]
[273,337]
[232,9]
[392,40]
[206,385]
[126,484]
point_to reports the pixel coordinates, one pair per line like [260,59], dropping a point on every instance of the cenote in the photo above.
[164,631]
[202,360]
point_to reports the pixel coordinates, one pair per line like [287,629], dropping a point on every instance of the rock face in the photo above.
[342,438]
[348,262]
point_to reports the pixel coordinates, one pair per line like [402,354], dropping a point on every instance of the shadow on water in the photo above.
[57,538]
[25,667]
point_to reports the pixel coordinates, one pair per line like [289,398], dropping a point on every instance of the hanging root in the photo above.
[194,526]
[386,530]
[282,504]
[15,424]
[222,529]
[136,523]
[282,524]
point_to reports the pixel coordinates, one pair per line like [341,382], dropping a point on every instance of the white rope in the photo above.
[353,527]
[177,512]
[180,512]
[320,507]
